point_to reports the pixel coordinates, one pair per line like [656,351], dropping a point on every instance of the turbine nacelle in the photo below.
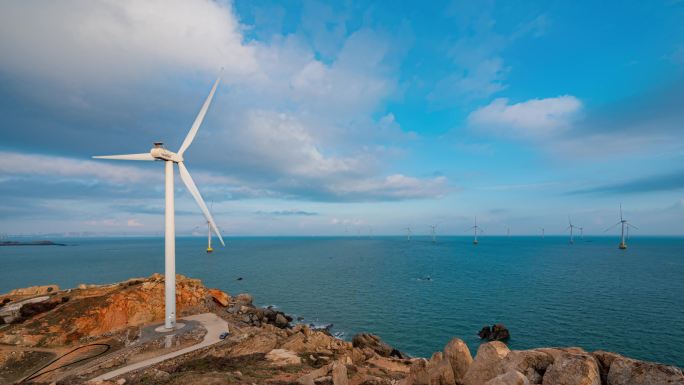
[161,153]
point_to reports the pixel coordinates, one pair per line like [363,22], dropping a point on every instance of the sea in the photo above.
[418,294]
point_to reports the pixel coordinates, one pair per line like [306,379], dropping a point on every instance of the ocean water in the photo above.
[547,292]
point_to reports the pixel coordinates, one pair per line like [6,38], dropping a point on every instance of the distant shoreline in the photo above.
[31,243]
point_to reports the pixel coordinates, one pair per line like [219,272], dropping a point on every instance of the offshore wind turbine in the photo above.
[408,233]
[158,152]
[625,225]
[542,229]
[434,236]
[476,229]
[571,227]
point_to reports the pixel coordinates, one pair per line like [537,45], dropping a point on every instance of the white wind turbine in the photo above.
[571,227]
[434,235]
[624,229]
[408,233]
[476,229]
[542,229]
[158,152]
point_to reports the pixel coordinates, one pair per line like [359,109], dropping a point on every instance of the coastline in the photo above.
[267,342]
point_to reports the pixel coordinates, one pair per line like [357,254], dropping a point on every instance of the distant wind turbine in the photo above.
[476,229]
[170,158]
[581,229]
[571,227]
[625,225]
[408,233]
[542,229]
[434,236]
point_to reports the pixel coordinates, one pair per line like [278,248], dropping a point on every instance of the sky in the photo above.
[344,117]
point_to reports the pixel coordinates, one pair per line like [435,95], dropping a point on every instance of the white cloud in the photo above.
[104,40]
[536,118]
[16,163]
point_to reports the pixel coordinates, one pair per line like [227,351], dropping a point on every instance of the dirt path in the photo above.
[214,325]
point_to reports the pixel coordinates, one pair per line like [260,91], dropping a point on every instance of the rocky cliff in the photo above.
[265,348]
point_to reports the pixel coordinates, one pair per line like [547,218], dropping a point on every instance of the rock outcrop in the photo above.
[103,310]
[498,332]
[373,342]
[458,354]
[486,364]
[626,371]
[31,291]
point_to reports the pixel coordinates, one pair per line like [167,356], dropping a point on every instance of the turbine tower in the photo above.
[434,236]
[571,227]
[625,225]
[542,229]
[476,229]
[408,233]
[158,152]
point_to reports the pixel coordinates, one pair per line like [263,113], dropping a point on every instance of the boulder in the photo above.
[498,332]
[220,297]
[243,299]
[458,354]
[531,363]
[604,360]
[365,340]
[626,371]
[308,379]
[339,373]
[437,371]
[486,364]
[263,343]
[388,364]
[281,321]
[512,377]
[572,369]
[282,357]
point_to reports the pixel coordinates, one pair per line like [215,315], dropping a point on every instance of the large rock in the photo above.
[243,299]
[626,371]
[604,360]
[436,371]
[365,340]
[339,373]
[531,363]
[263,343]
[458,354]
[220,297]
[282,357]
[512,377]
[572,369]
[486,364]
[498,332]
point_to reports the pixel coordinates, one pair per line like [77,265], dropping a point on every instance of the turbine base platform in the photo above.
[209,250]
[163,329]
[622,246]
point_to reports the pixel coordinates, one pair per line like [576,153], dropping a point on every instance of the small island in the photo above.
[30,243]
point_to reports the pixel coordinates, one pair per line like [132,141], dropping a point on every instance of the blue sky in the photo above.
[341,117]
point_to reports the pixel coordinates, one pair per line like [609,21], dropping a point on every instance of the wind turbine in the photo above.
[581,233]
[625,227]
[434,236]
[476,228]
[571,227]
[542,229]
[408,233]
[158,152]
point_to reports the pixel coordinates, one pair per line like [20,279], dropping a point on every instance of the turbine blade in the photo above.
[631,225]
[611,227]
[187,179]
[143,156]
[198,120]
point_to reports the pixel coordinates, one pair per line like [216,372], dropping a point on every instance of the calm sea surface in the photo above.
[547,292]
